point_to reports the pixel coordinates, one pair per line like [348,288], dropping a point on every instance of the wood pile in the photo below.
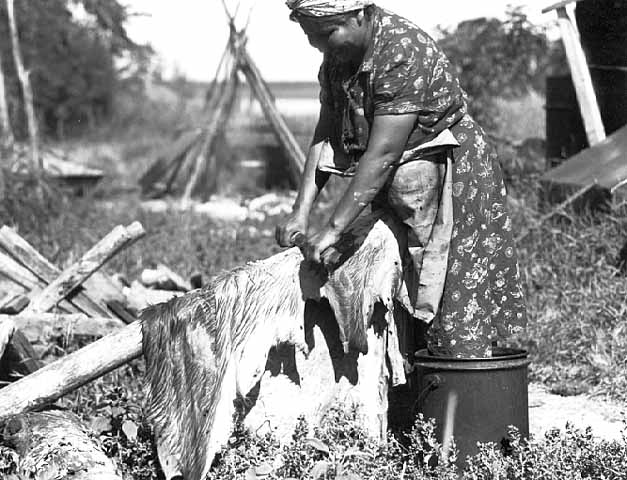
[46,303]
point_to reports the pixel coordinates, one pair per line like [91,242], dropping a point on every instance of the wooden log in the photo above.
[14,303]
[56,444]
[41,327]
[91,300]
[76,274]
[17,273]
[56,379]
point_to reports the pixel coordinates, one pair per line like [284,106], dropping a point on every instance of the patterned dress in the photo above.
[452,198]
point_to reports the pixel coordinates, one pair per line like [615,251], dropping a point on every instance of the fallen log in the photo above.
[58,378]
[41,327]
[76,274]
[56,444]
[14,303]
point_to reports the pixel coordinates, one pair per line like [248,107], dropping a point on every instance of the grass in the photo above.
[576,293]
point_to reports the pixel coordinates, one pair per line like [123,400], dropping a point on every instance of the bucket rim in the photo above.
[499,353]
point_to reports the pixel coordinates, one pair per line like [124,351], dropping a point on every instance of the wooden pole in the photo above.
[41,327]
[76,274]
[213,131]
[56,379]
[27,92]
[86,301]
[595,131]
[295,155]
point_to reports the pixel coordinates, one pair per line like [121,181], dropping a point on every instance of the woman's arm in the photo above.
[312,182]
[387,142]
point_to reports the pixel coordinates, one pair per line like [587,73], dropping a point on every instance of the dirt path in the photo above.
[546,411]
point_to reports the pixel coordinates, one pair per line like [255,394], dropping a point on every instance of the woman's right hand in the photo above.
[286,232]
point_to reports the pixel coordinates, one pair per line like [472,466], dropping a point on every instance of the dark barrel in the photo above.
[602,26]
[485,396]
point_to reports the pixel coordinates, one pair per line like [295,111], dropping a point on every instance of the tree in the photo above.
[498,58]
[71,48]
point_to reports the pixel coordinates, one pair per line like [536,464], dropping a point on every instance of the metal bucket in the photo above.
[474,400]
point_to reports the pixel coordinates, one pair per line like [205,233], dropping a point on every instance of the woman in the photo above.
[393,117]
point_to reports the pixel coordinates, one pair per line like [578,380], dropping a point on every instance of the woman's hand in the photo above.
[314,246]
[285,233]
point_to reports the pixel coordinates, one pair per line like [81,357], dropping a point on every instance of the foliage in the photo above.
[568,454]
[498,58]
[70,48]
[339,449]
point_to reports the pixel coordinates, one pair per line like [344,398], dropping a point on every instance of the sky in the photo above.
[189,36]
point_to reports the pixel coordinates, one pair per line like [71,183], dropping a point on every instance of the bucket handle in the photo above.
[434,381]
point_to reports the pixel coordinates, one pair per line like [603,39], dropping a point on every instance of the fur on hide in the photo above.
[211,345]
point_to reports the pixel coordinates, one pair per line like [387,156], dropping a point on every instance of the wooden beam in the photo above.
[41,327]
[88,301]
[76,274]
[595,131]
[14,303]
[56,379]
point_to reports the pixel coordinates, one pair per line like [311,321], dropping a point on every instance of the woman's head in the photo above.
[338,28]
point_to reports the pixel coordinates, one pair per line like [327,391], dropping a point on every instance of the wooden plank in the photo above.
[76,274]
[604,163]
[17,273]
[24,253]
[595,131]
[41,327]
[56,379]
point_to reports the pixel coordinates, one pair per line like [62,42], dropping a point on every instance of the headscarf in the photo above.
[321,8]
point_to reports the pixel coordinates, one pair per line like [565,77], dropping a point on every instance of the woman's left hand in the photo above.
[317,243]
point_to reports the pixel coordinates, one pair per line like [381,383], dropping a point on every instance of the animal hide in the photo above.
[207,348]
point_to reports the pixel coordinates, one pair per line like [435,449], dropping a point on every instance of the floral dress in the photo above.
[452,198]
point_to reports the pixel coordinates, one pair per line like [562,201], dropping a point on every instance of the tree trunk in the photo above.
[6,132]
[27,92]
[56,444]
